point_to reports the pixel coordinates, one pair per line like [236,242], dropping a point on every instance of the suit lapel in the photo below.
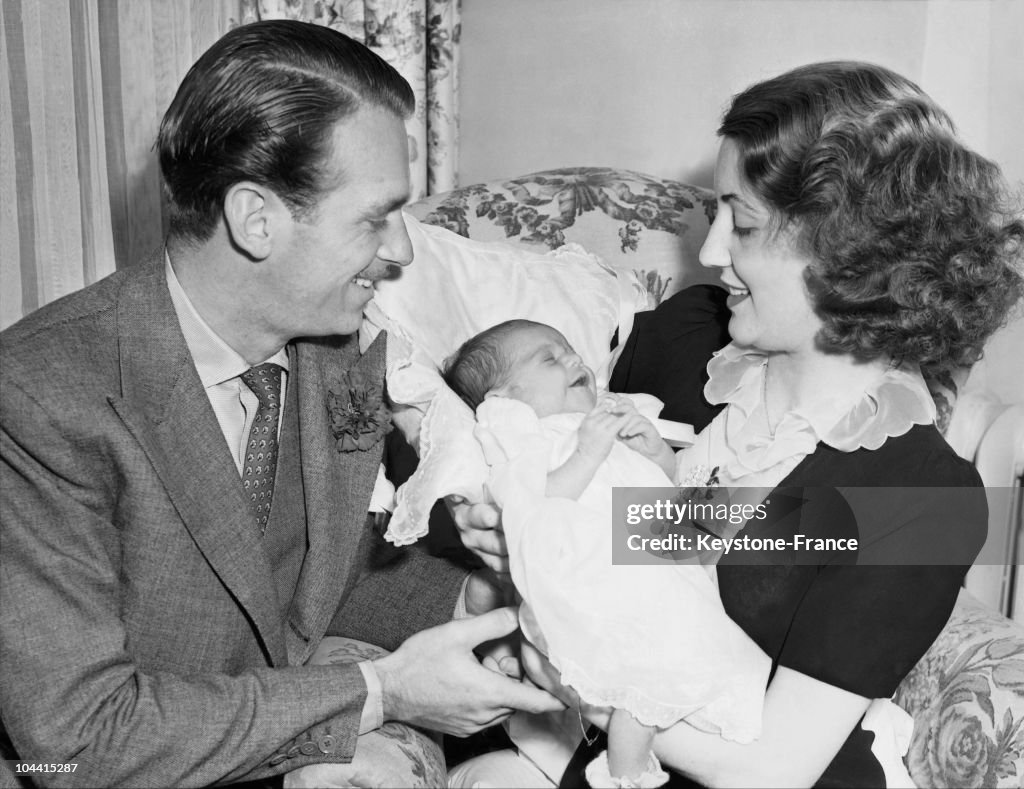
[165,407]
[337,485]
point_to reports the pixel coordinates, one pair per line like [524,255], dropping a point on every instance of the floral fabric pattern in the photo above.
[396,754]
[420,38]
[967,699]
[633,221]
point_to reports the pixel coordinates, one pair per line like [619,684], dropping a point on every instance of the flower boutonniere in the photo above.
[358,414]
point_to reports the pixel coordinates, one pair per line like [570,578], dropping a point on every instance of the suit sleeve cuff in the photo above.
[373,709]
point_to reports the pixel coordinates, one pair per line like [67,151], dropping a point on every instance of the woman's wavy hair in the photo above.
[916,252]
[261,105]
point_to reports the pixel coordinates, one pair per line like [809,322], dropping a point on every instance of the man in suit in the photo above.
[180,524]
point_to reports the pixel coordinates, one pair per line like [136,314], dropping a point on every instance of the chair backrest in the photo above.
[1000,462]
[633,221]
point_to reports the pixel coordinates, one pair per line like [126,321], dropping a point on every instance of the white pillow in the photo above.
[457,287]
[454,289]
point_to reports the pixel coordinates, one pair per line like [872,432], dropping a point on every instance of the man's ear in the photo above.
[251,213]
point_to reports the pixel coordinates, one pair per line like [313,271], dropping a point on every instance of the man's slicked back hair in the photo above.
[261,105]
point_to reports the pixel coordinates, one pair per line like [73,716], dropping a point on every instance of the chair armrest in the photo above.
[394,755]
[966,696]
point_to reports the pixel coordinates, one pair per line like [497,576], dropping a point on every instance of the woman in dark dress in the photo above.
[860,241]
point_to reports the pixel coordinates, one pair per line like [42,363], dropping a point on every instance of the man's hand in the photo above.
[539,671]
[480,529]
[434,679]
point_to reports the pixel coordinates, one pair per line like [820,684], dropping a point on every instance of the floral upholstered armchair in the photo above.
[967,693]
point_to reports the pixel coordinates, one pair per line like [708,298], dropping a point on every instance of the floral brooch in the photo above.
[701,482]
[358,415]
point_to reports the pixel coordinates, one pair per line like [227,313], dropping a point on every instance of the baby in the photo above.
[653,643]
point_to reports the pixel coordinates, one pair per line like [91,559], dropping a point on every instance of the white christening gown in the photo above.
[654,640]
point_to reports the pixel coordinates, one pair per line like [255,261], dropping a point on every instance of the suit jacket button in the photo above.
[308,748]
[328,743]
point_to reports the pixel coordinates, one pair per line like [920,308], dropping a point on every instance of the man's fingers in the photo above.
[532,699]
[472,727]
[512,694]
[497,719]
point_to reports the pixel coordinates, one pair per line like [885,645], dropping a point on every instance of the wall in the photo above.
[640,84]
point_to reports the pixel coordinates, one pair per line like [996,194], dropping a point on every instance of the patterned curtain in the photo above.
[420,38]
[86,84]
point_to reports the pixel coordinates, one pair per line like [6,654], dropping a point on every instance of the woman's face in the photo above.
[761,268]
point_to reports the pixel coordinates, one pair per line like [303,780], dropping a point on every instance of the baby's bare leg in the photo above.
[628,762]
[629,743]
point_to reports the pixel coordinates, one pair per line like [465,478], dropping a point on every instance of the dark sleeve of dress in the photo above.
[862,627]
[667,353]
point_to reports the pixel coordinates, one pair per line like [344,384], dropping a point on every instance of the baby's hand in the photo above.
[600,429]
[640,434]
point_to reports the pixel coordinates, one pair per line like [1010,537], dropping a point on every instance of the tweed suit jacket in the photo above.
[140,631]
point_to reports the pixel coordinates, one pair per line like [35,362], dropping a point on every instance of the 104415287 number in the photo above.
[45,767]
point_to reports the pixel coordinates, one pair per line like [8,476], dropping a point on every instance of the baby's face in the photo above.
[547,373]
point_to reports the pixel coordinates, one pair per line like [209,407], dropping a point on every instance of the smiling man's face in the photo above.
[323,273]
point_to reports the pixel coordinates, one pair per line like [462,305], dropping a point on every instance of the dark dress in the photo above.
[858,626]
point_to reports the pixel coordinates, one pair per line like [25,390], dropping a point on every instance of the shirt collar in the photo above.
[215,360]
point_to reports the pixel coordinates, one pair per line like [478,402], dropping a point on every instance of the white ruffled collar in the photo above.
[890,406]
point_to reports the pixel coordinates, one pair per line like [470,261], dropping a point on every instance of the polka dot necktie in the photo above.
[261,450]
